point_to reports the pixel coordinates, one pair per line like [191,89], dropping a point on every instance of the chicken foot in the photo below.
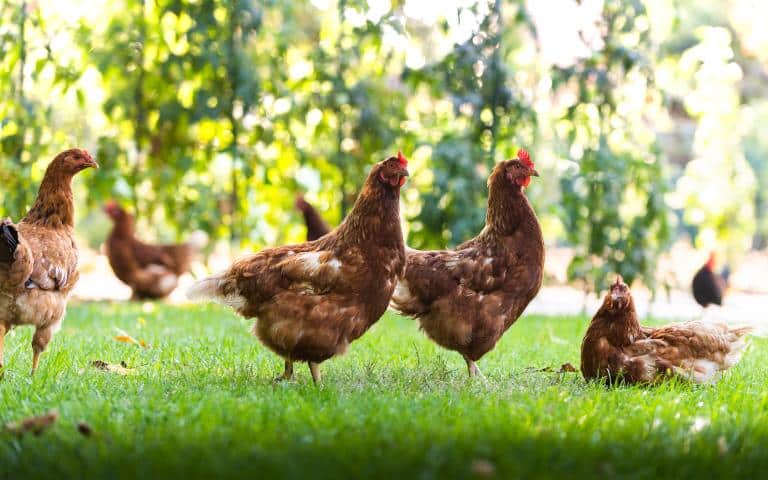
[288,373]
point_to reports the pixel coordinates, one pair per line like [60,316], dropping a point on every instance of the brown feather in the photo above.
[151,271]
[465,299]
[34,287]
[617,348]
[313,299]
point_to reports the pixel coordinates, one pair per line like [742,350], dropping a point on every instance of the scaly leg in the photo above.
[3,329]
[39,342]
[474,370]
[314,369]
[288,373]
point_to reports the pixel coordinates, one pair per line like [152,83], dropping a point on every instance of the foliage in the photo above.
[490,118]
[719,164]
[30,67]
[613,203]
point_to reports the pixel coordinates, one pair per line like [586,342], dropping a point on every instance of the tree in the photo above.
[490,120]
[613,199]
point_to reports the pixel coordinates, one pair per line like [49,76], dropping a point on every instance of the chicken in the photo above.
[316,226]
[616,348]
[152,271]
[709,287]
[38,256]
[312,299]
[465,299]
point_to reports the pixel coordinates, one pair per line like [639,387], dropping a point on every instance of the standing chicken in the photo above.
[316,226]
[465,299]
[708,287]
[617,348]
[152,271]
[311,300]
[38,256]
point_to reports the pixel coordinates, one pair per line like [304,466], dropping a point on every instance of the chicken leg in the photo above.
[288,373]
[39,342]
[474,370]
[314,369]
[3,329]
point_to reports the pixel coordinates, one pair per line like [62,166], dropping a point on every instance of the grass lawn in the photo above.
[201,404]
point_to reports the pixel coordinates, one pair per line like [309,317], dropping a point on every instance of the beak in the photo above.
[534,173]
[93,164]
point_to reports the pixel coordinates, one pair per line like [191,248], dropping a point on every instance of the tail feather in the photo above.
[218,289]
[9,242]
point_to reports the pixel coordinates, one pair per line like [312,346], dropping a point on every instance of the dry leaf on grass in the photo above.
[483,469]
[120,369]
[36,425]
[123,336]
[566,368]
[84,429]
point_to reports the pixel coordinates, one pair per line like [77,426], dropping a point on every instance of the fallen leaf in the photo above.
[84,429]
[120,369]
[567,367]
[483,468]
[36,425]
[124,337]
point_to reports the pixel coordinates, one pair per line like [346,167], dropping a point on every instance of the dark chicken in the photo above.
[465,299]
[617,349]
[316,226]
[708,286]
[38,256]
[152,271]
[313,299]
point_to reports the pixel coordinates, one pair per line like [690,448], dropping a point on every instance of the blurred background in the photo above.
[643,118]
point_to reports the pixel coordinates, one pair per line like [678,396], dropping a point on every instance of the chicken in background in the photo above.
[313,299]
[465,299]
[316,226]
[152,271]
[38,256]
[617,349]
[708,286]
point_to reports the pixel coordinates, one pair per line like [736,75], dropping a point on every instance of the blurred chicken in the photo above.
[709,287]
[616,348]
[152,271]
[316,226]
[311,300]
[38,256]
[465,299]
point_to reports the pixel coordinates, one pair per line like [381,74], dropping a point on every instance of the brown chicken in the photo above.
[38,256]
[152,271]
[316,226]
[312,299]
[465,299]
[617,349]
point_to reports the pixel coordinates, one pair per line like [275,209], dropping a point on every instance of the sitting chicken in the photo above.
[316,226]
[38,256]
[708,286]
[465,299]
[152,271]
[617,348]
[311,300]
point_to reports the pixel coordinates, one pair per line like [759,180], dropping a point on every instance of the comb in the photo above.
[524,157]
[401,158]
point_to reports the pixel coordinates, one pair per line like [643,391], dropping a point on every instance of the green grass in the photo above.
[202,404]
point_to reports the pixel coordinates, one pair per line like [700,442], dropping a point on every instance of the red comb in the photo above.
[524,157]
[401,158]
